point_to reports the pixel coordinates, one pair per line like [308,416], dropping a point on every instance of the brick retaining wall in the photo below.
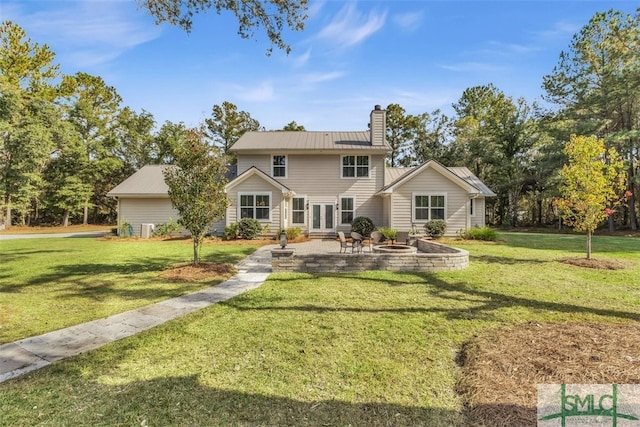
[439,258]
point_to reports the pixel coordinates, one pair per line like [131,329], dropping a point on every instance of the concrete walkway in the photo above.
[27,355]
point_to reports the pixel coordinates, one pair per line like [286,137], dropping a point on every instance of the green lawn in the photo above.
[366,349]
[48,284]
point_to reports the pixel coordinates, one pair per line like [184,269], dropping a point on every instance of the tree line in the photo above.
[65,141]
[517,147]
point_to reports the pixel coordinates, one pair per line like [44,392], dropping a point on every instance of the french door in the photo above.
[323,217]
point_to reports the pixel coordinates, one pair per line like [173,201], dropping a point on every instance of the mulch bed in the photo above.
[603,264]
[200,272]
[501,369]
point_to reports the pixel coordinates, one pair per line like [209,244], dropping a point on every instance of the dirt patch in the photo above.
[603,264]
[203,272]
[501,369]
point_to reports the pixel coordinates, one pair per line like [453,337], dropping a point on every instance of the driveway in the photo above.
[51,235]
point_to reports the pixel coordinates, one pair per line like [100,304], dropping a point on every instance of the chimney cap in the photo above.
[377,107]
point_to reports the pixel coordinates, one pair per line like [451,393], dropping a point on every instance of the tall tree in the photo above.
[591,181]
[226,125]
[166,142]
[293,126]
[66,193]
[403,130]
[196,187]
[93,110]
[274,16]
[134,132]
[597,85]
[498,136]
[433,140]
[27,116]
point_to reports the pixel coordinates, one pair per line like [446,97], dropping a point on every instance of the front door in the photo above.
[323,217]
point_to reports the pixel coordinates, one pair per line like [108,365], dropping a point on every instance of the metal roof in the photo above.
[466,174]
[149,182]
[394,176]
[303,141]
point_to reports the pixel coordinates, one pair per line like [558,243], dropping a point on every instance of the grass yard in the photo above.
[366,349]
[48,284]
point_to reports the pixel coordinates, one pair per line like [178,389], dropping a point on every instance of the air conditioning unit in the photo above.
[146,230]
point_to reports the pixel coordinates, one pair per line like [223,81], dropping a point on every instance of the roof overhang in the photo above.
[254,171]
[430,164]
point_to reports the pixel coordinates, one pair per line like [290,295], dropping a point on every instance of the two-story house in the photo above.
[320,181]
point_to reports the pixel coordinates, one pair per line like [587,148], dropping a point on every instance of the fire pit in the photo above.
[395,249]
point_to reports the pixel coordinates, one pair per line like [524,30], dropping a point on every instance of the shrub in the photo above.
[230,231]
[481,233]
[435,227]
[165,229]
[293,233]
[249,228]
[389,233]
[362,225]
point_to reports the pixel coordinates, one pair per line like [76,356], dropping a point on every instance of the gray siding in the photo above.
[138,211]
[430,181]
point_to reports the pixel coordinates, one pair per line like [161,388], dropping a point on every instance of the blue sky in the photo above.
[352,55]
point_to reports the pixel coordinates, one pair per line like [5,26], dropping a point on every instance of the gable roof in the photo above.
[146,182]
[461,176]
[252,171]
[149,182]
[392,174]
[305,141]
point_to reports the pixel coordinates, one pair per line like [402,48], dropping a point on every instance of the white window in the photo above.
[428,206]
[355,166]
[255,205]
[347,209]
[279,166]
[298,210]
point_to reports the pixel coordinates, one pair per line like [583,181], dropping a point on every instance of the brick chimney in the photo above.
[378,125]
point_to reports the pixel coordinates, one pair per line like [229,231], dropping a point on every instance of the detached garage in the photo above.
[143,198]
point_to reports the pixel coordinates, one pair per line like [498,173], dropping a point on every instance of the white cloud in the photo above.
[314,8]
[262,93]
[468,67]
[351,27]
[505,48]
[303,59]
[408,21]
[559,30]
[88,33]
[313,78]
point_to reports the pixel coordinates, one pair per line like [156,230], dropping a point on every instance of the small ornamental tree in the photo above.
[196,187]
[591,184]
[363,225]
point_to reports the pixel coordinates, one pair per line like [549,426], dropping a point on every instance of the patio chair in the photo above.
[377,238]
[357,239]
[403,238]
[343,243]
